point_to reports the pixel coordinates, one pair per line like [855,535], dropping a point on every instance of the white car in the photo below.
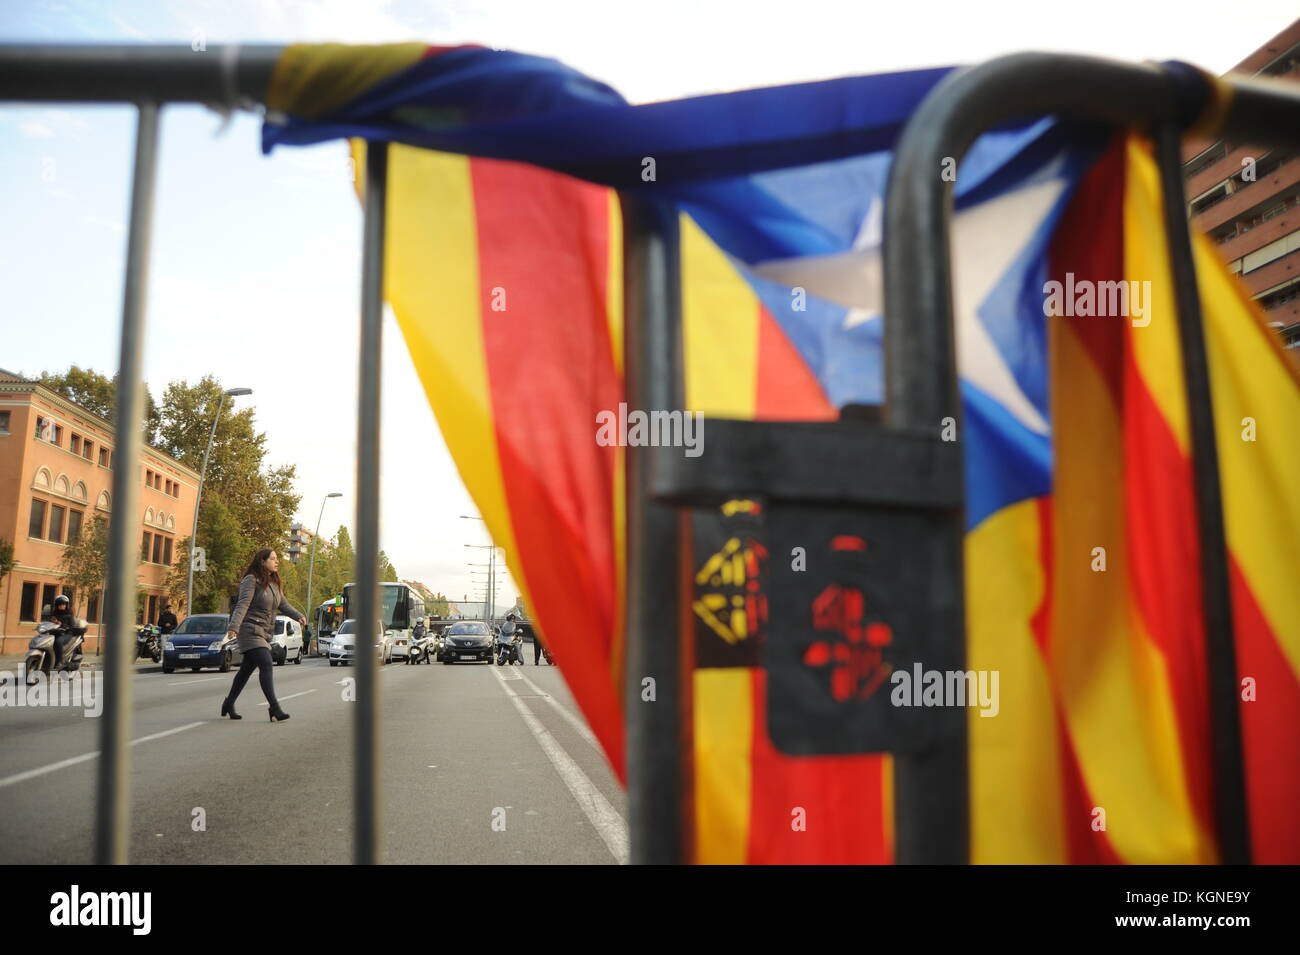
[343,646]
[286,644]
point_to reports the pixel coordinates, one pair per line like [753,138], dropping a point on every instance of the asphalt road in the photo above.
[479,764]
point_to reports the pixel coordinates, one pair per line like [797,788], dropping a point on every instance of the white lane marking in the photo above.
[86,757]
[208,679]
[602,815]
[289,697]
[582,728]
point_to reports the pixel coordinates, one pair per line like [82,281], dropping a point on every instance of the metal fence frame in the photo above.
[930,790]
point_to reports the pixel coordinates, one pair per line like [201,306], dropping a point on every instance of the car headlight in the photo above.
[167,645]
[217,644]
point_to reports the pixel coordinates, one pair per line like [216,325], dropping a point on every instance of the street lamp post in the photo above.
[194,529]
[311,566]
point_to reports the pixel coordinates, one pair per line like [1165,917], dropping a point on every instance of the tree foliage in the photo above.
[85,560]
[246,504]
[98,394]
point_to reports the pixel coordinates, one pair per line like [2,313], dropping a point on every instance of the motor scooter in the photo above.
[41,651]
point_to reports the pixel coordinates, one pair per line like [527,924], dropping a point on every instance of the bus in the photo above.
[399,608]
[328,617]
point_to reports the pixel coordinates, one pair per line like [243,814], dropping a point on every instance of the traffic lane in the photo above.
[35,736]
[48,819]
[478,787]
[282,793]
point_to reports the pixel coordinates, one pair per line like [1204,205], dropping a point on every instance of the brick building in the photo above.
[1247,199]
[56,476]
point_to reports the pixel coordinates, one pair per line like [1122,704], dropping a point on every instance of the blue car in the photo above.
[200,641]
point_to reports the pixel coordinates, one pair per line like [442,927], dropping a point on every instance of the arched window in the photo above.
[79,491]
[104,503]
[148,516]
[61,485]
[43,478]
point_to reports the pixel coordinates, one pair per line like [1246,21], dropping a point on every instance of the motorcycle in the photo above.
[148,642]
[510,647]
[41,653]
[420,648]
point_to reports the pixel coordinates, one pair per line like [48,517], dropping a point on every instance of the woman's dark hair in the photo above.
[257,567]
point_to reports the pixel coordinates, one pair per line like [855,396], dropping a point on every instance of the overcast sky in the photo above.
[256,263]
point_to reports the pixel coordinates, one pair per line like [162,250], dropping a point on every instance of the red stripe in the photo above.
[786,388]
[543,241]
[1164,573]
[1084,845]
[841,799]
[1270,729]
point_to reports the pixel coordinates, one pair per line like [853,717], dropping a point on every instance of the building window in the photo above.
[58,435]
[75,445]
[44,429]
[56,523]
[153,608]
[4,422]
[27,609]
[144,547]
[48,593]
[74,526]
[88,451]
[103,457]
[157,548]
[167,551]
[36,526]
[92,607]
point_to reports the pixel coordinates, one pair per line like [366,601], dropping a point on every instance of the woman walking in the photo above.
[252,622]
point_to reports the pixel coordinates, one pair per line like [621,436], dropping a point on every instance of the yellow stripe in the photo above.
[1156,348]
[1250,379]
[1110,678]
[313,78]
[720,329]
[1015,763]
[614,314]
[724,733]
[432,281]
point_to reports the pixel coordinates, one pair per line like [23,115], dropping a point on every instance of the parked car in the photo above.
[343,647]
[286,644]
[468,640]
[200,641]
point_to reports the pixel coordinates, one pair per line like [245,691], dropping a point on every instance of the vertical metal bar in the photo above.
[931,791]
[366,757]
[657,735]
[1230,810]
[113,802]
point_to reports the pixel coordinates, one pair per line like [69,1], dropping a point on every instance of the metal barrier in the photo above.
[921,475]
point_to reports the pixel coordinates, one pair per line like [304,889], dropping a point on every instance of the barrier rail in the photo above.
[921,388]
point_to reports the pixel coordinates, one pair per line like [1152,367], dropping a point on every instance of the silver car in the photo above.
[343,647]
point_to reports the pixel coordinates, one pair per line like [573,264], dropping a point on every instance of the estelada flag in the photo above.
[1075,436]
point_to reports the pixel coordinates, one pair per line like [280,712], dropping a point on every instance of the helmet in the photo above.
[61,599]
[419,620]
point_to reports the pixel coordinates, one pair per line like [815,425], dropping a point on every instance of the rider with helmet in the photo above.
[61,613]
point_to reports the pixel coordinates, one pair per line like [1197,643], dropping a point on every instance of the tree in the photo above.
[98,394]
[6,563]
[85,560]
[386,569]
[251,505]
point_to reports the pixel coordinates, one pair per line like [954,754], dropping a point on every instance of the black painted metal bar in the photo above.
[1231,813]
[366,790]
[113,790]
[115,73]
[919,298]
[657,734]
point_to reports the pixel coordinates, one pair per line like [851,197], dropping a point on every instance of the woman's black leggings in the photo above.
[258,659]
